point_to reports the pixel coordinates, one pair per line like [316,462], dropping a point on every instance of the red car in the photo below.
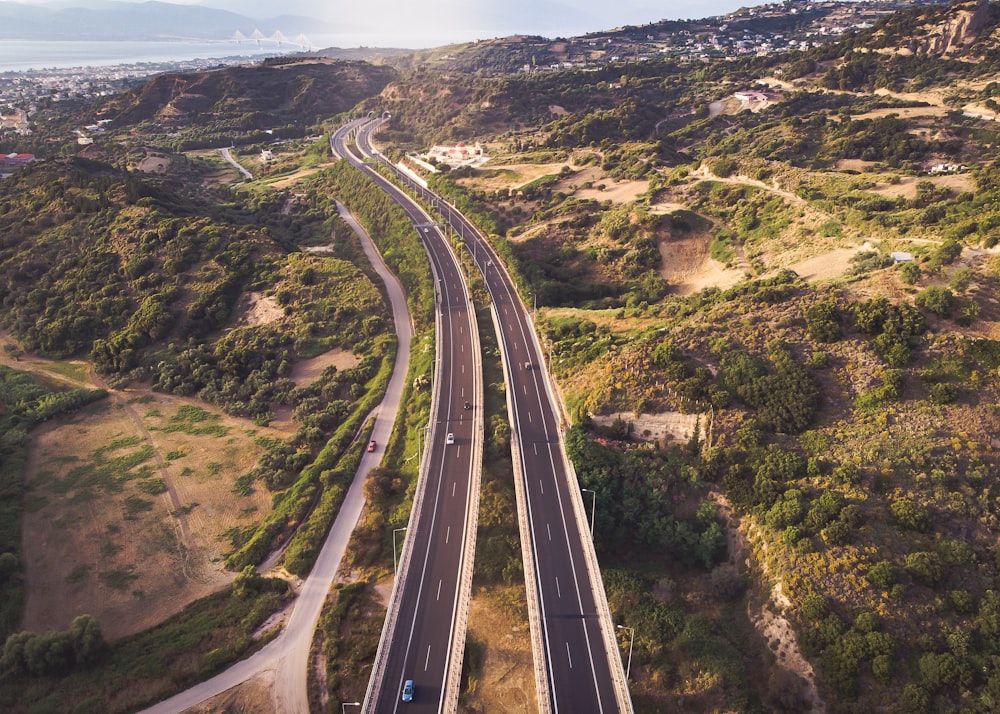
[371,445]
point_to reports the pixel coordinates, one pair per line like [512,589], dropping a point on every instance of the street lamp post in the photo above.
[394,532]
[343,706]
[593,508]
[631,641]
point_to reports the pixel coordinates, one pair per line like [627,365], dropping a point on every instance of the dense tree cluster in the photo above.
[647,500]
[114,279]
[53,653]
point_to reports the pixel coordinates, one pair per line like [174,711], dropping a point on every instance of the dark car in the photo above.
[468,405]
[408,691]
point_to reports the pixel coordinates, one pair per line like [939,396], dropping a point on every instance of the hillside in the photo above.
[767,288]
[695,252]
[245,98]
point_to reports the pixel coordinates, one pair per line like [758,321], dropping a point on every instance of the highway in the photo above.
[424,638]
[581,668]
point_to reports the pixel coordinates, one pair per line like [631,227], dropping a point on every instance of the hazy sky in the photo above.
[425,23]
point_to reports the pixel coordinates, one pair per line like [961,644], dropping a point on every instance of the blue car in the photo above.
[408,690]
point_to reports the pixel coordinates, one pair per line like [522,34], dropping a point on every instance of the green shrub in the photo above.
[940,301]
[882,575]
[910,515]
[823,322]
[925,567]
[909,273]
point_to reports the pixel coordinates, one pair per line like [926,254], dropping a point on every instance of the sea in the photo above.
[23,55]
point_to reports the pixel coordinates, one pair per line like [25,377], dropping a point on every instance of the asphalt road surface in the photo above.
[583,674]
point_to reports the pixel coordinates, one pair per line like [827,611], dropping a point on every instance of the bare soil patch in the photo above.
[224,172]
[907,186]
[662,427]
[612,318]
[251,697]
[832,264]
[904,112]
[292,179]
[854,164]
[616,192]
[308,371]
[688,266]
[257,309]
[154,164]
[512,176]
[126,505]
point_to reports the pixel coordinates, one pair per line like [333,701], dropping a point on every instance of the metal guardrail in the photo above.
[460,625]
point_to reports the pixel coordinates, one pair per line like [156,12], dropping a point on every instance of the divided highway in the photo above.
[424,637]
[578,665]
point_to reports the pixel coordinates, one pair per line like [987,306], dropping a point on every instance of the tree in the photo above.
[8,565]
[14,660]
[88,640]
[909,273]
[925,567]
[51,653]
[726,581]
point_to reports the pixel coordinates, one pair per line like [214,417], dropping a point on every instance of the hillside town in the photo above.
[752,31]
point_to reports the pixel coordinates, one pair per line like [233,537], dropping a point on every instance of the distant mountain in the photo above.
[489,17]
[109,20]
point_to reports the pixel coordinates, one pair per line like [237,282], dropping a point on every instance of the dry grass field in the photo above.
[507,680]
[128,503]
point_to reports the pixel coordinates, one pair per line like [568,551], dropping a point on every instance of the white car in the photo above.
[450,439]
